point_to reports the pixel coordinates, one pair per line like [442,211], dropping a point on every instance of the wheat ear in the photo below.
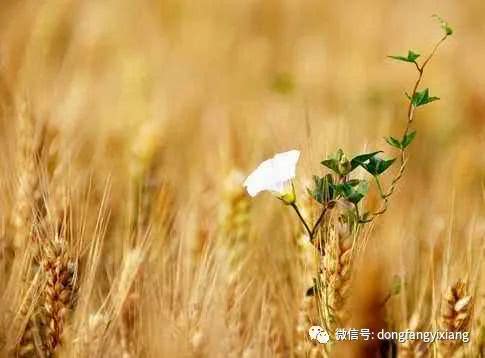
[455,313]
[336,269]
[234,222]
[28,193]
[59,270]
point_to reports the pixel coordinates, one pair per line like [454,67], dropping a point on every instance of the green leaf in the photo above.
[411,57]
[422,98]
[315,193]
[339,163]
[444,25]
[377,166]
[400,58]
[362,158]
[323,190]
[394,142]
[408,138]
[344,166]
[331,164]
[359,192]
[353,192]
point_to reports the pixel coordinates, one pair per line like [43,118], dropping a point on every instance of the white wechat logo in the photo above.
[319,334]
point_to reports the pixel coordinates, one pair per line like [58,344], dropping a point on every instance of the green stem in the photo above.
[410,118]
[311,232]
[318,222]
[379,187]
[307,228]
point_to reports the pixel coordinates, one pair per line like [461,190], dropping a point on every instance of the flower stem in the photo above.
[307,228]
[317,224]
[311,232]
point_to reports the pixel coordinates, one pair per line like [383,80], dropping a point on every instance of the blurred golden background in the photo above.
[256,75]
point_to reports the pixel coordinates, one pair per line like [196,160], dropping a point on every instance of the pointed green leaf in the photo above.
[393,142]
[399,58]
[358,192]
[344,166]
[411,57]
[322,190]
[422,98]
[339,163]
[382,165]
[331,164]
[362,158]
[408,138]
[315,193]
[377,166]
[353,192]
[419,98]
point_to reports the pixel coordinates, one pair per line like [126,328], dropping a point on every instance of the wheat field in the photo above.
[127,129]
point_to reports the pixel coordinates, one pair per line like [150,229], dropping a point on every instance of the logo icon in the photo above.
[319,334]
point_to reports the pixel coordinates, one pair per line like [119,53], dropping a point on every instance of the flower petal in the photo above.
[285,164]
[273,174]
[257,181]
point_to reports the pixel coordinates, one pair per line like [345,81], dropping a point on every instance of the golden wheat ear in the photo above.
[455,313]
[58,294]
[336,270]
[28,192]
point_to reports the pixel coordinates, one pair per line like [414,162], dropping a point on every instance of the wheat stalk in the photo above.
[29,342]
[125,301]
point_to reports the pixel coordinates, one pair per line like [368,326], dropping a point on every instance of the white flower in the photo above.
[275,175]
